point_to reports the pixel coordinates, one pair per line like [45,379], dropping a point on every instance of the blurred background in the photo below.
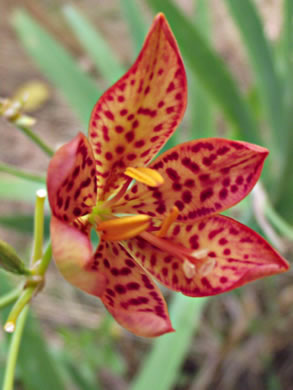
[239,62]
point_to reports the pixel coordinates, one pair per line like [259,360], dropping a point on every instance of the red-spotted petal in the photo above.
[72,251]
[136,116]
[71,180]
[201,178]
[130,295]
[224,255]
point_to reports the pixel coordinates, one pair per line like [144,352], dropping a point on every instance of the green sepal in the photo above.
[10,261]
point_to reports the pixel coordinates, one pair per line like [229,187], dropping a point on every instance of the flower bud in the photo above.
[10,261]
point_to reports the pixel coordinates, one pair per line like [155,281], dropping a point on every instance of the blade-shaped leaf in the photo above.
[22,223]
[202,114]
[210,70]
[17,189]
[57,64]
[136,22]
[160,369]
[259,52]
[95,45]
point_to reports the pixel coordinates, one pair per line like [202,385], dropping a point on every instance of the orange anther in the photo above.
[167,222]
[123,228]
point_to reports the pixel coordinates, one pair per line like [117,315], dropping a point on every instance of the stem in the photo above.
[37,140]
[25,297]
[42,267]
[20,309]
[278,221]
[13,351]
[10,297]
[39,226]
[22,174]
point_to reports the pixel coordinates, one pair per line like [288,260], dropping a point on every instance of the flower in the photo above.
[167,224]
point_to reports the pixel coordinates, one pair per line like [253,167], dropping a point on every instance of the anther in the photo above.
[145,175]
[207,267]
[200,254]
[168,221]
[123,228]
[188,269]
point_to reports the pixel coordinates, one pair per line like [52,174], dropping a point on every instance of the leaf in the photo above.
[17,189]
[94,44]
[22,223]
[57,64]
[210,70]
[136,22]
[202,113]
[160,368]
[259,52]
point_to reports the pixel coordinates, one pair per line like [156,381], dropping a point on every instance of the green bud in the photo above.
[10,261]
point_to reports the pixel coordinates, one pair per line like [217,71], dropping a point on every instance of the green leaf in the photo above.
[17,189]
[200,107]
[210,70]
[22,223]
[57,64]
[94,44]
[136,22]
[260,55]
[160,369]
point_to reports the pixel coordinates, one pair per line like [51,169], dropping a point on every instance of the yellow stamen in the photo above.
[147,176]
[188,269]
[123,228]
[167,222]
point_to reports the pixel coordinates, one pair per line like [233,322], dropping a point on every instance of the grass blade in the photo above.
[57,64]
[210,70]
[136,22]
[94,44]
[160,369]
[260,55]
[202,115]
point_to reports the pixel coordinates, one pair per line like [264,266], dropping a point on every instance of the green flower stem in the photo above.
[21,173]
[31,287]
[284,228]
[13,351]
[10,297]
[39,226]
[37,140]
[44,263]
[25,297]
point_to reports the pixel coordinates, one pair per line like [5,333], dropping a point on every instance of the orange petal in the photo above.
[130,295]
[72,251]
[200,178]
[224,254]
[71,180]
[133,119]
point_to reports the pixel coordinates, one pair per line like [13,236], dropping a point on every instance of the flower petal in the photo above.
[72,251]
[201,178]
[130,295]
[71,180]
[225,255]
[133,119]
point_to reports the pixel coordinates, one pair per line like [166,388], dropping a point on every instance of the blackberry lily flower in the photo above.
[166,225]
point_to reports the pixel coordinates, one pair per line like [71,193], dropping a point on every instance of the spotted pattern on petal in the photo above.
[201,178]
[235,255]
[136,116]
[130,295]
[71,180]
